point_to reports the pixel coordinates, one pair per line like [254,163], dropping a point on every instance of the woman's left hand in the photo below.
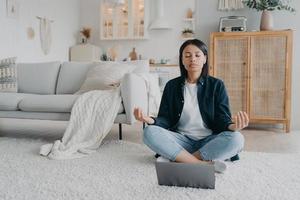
[241,120]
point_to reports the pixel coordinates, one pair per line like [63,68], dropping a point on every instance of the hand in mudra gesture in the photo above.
[241,120]
[138,114]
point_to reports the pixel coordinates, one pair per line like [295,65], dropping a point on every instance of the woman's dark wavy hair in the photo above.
[202,46]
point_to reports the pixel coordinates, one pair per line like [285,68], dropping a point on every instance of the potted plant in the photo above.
[187,33]
[266,6]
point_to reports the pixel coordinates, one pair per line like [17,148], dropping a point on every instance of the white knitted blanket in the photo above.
[91,119]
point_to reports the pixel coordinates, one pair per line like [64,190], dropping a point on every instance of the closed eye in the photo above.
[189,55]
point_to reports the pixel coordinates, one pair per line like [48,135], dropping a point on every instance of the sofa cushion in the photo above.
[37,78]
[50,103]
[47,103]
[105,75]
[71,76]
[10,101]
[35,115]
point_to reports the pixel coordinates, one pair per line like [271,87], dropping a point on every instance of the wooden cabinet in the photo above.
[256,70]
[124,21]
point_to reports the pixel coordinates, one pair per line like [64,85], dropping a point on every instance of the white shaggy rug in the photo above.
[124,170]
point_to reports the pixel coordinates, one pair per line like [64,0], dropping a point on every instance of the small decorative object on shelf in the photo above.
[86,33]
[266,6]
[151,61]
[30,33]
[189,13]
[188,28]
[233,24]
[133,54]
[105,57]
[113,52]
[164,61]
[187,33]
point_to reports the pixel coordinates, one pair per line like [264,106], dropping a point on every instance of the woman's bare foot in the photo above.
[186,157]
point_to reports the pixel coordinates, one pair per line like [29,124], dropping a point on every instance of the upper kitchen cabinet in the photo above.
[126,19]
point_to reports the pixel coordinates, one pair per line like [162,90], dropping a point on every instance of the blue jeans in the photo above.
[169,144]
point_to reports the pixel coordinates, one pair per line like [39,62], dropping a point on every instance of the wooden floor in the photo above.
[259,140]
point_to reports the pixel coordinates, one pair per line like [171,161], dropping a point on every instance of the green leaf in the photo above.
[271,5]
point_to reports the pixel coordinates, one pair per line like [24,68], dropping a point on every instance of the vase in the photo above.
[266,21]
[84,40]
[133,54]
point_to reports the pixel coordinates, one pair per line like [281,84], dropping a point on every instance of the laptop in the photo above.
[185,174]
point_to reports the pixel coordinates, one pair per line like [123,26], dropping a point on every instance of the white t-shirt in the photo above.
[190,122]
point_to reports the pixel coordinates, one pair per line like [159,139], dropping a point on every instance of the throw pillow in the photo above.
[8,75]
[105,76]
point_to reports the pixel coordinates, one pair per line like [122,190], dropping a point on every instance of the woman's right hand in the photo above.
[138,114]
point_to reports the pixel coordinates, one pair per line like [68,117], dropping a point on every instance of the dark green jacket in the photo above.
[212,99]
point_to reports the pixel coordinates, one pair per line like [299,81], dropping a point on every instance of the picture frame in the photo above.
[12,9]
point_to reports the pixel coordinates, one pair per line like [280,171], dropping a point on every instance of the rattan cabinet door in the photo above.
[268,77]
[231,66]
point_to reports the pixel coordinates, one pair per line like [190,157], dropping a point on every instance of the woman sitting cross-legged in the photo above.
[194,123]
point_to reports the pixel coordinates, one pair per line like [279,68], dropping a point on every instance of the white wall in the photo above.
[161,43]
[208,21]
[13,36]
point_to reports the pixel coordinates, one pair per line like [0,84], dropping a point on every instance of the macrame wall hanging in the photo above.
[230,4]
[45,34]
